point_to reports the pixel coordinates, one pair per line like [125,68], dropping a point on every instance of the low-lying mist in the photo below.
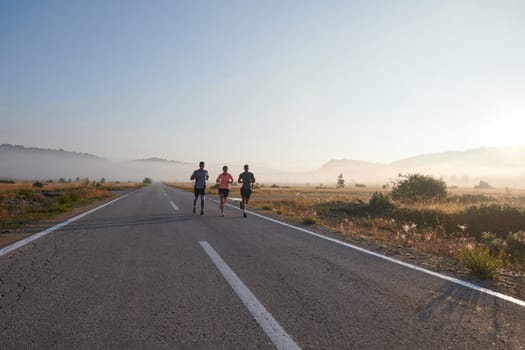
[30,167]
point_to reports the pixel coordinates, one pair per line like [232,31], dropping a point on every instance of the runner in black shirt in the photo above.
[246,179]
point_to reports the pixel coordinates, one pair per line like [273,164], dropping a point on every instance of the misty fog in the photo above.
[463,169]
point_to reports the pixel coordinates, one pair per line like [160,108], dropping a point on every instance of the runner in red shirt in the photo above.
[224,180]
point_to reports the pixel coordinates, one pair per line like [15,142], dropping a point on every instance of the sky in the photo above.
[277,83]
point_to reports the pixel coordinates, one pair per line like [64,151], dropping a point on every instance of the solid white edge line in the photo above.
[395,261]
[174,206]
[271,327]
[36,236]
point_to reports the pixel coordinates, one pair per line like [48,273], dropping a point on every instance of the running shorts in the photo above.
[246,193]
[199,191]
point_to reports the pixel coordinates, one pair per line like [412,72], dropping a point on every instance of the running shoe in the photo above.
[244,214]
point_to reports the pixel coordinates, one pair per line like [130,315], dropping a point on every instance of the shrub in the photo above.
[418,187]
[516,247]
[147,181]
[64,199]
[495,218]
[494,243]
[309,220]
[38,184]
[380,202]
[480,261]
[266,207]
[360,185]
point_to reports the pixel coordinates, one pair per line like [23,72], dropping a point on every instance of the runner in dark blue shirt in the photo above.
[200,176]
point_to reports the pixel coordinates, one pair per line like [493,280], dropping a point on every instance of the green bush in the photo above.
[38,184]
[418,187]
[380,202]
[147,181]
[480,261]
[267,207]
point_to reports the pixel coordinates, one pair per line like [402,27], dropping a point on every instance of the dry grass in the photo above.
[28,185]
[58,186]
[21,203]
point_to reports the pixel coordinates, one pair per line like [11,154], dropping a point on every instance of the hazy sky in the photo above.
[268,82]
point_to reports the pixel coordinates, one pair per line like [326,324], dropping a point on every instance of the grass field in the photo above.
[21,203]
[466,222]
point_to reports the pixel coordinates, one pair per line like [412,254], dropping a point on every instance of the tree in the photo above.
[340,181]
[418,187]
[483,185]
[147,181]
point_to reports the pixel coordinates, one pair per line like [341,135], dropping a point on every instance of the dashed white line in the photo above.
[29,239]
[271,327]
[174,206]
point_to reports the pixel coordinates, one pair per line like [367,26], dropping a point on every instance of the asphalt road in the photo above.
[146,273]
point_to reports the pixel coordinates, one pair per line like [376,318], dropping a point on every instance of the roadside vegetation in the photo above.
[24,202]
[483,229]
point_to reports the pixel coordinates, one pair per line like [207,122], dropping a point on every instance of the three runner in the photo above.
[224,180]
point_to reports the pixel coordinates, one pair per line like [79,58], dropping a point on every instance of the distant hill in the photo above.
[7,149]
[335,164]
[503,166]
[497,157]
[159,160]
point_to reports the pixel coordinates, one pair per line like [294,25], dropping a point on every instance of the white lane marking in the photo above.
[29,239]
[174,206]
[277,334]
[395,261]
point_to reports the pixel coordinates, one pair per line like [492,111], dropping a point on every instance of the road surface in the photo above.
[144,272]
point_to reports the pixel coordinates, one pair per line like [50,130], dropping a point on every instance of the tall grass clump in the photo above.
[309,220]
[267,207]
[480,261]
